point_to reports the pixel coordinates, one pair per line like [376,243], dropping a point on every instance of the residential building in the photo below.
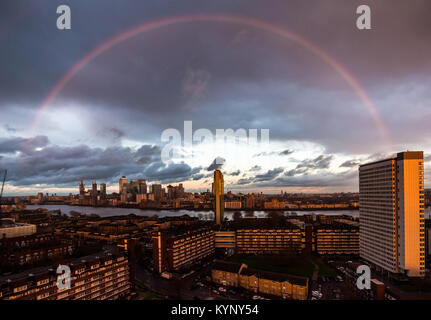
[103,276]
[258,281]
[392,223]
[173,250]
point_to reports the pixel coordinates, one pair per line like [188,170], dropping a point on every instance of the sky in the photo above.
[93,102]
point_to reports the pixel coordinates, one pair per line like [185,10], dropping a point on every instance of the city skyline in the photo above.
[331,96]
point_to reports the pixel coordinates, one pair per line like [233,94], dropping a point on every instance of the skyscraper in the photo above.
[218,194]
[156,190]
[103,190]
[142,186]
[94,193]
[392,214]
[123,181]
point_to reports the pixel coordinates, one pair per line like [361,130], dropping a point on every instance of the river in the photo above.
[108,212]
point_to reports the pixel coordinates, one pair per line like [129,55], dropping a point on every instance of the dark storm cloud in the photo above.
[158,171]
[62,166]
[12,145]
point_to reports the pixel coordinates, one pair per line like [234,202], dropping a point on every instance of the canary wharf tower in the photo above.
[218,194]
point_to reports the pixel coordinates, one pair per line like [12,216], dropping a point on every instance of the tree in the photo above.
[237,215]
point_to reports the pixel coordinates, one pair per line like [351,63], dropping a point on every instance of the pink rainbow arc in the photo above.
[352,82]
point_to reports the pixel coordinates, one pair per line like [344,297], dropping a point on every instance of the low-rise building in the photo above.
[258,281]
[11,229]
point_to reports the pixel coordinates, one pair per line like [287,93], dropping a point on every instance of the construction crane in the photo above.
[2,186]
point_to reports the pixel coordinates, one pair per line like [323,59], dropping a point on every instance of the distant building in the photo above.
[392,223]
[218,192]
[250,201]
[81,190]
[156,190]
[103,190]
[121,184]
[274,204]
[94,193]
[232,204]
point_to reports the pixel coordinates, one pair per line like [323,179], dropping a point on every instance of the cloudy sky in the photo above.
[298,68]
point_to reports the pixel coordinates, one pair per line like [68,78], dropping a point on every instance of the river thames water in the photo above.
[107,212]
[203,214]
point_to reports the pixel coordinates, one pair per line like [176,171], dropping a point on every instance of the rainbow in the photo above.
[150,26]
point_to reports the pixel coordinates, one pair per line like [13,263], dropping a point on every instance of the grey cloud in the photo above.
[350,163]
[269,175]
[272,153]
[12,145]
[255,168]
[286,152]
[8,128]
[235,173]
[321,162]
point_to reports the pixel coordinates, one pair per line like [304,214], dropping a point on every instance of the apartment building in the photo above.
[225,239]
[103,276]
[263,236]
[392,223]
[173,251]
[27,250]
[337,238]
[258,281]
